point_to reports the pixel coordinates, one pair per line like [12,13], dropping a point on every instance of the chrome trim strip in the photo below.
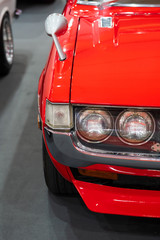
[104,106]
[118,155]
[57,103]
[116,4]
[110,106]
[106,154]
[56,132]
[132,5]
[63,149]
[93,3]
[109,154]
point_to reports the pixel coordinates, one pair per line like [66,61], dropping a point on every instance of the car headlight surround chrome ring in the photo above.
[138,114]
[101,113]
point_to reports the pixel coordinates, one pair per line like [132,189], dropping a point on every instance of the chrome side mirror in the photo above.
[56,24]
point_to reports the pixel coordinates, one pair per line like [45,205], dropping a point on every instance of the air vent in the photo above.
[106,22]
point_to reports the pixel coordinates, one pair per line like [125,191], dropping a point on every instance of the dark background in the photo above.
[27,210]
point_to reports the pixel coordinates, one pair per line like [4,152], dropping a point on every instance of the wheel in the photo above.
[54,181]
[6,46]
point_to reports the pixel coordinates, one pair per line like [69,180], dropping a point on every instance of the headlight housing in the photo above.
[135,127]
[94,125]
[59,116]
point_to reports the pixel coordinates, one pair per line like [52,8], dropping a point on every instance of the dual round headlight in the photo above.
[132,127]
[94,125]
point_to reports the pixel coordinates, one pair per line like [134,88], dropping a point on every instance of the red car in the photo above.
[99,105]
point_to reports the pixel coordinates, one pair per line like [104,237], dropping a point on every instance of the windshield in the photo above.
[120,2]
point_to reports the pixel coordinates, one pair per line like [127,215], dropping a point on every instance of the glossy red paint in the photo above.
[120,201]
[123,59]
[58,73]
[104,67]
[67,8]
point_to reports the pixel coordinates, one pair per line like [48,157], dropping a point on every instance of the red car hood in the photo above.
[118,65]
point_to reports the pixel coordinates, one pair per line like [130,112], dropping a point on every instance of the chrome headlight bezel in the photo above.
[136,112]
[114,136]
[101,112]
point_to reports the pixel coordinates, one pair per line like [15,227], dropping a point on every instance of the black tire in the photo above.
[6,46]
[54,181]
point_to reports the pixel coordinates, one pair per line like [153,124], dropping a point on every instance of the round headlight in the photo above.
[94,125]
[135,127]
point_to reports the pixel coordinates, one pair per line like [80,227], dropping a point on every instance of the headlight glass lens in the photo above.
[135,127]
[94,125]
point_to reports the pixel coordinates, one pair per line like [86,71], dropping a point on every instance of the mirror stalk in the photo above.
[62,55]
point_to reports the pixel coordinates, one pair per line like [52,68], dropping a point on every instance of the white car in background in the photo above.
[7,9]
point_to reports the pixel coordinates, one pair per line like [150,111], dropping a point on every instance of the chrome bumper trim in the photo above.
[63,150]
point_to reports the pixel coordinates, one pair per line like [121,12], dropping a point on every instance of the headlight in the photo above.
[135,127]
[94,125]
[59,116]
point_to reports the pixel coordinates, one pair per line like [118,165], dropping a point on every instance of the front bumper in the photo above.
[120,201]
[62,149]
[101,198]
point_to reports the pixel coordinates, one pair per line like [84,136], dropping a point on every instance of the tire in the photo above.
[6,46]
[54,181]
